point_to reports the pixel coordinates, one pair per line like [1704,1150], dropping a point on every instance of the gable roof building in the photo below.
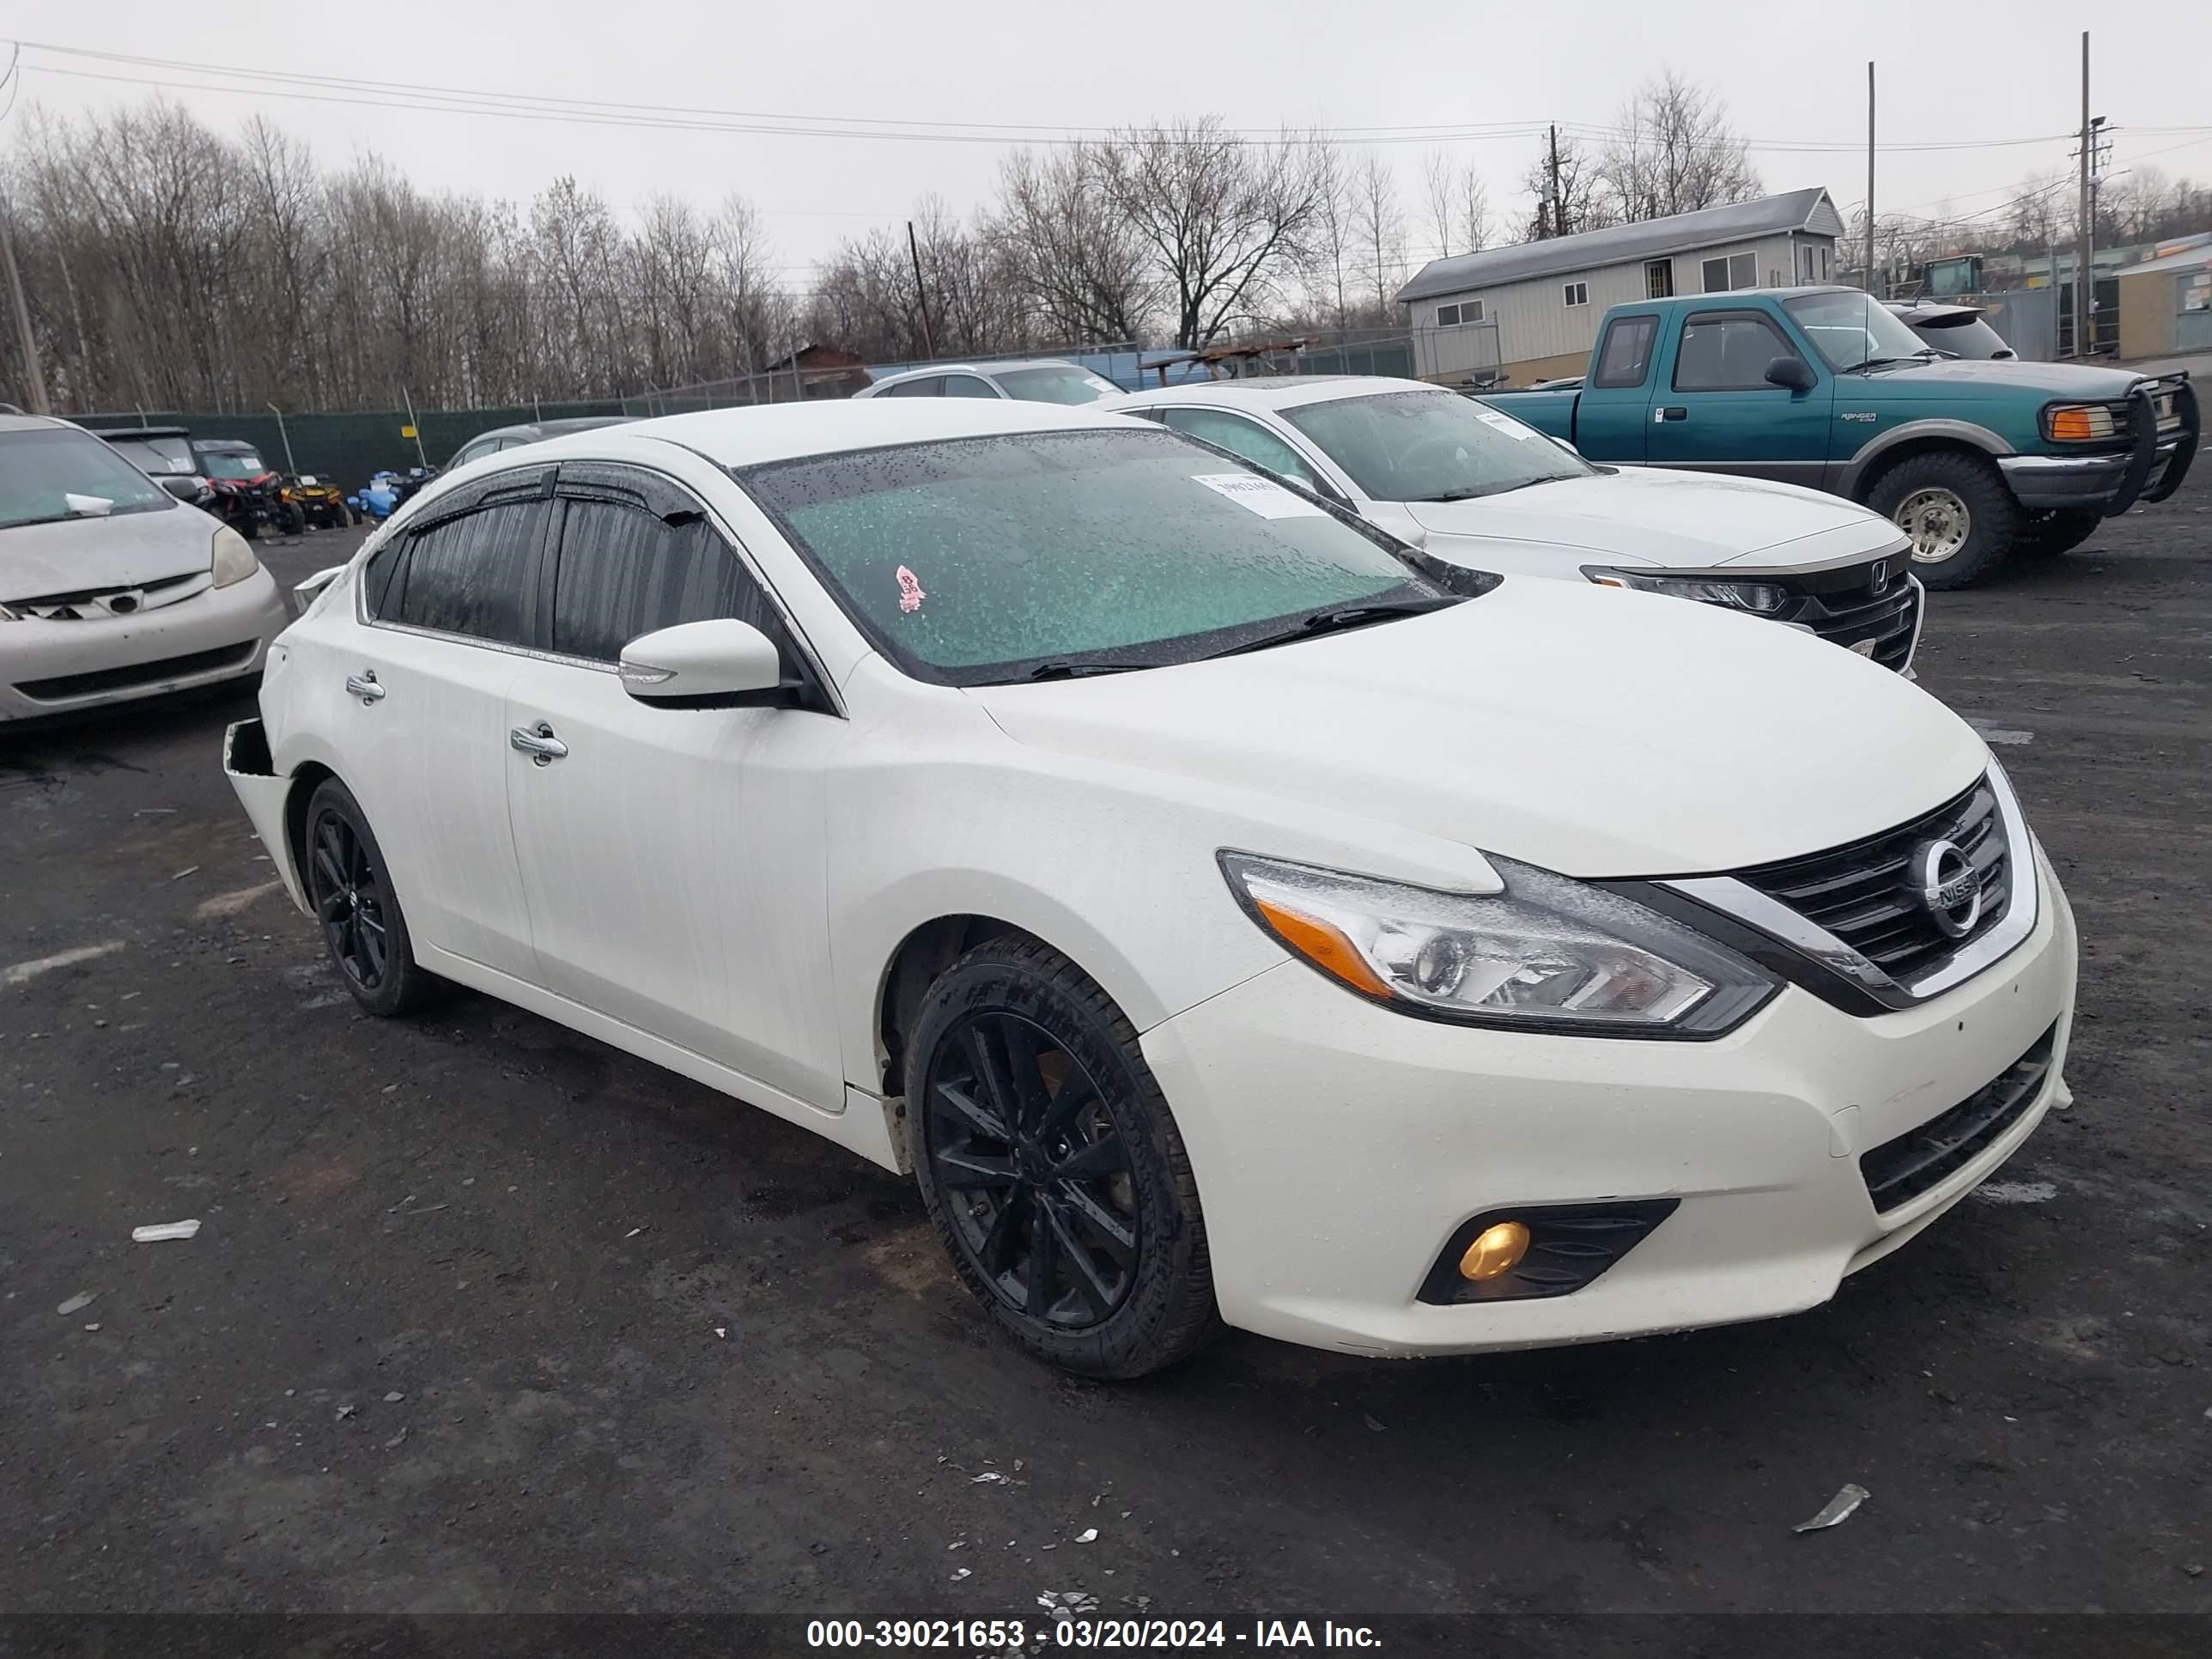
[1542,300]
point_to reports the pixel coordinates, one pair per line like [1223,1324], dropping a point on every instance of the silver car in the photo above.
[110,588]
[1040,381]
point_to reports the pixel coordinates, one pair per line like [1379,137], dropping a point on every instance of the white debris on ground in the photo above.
[1836,1509]
[2017,1192]
[76,1304]
[162,1231]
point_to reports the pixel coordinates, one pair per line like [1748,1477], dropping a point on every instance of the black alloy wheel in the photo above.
[347,893]
[1052,1166]
[351,895]
[1040,1187]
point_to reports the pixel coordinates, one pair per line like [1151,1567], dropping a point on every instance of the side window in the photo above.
[969,386]
[474,452]
[1625,357]
[624,571]
[929,385]
[476,575]
[1727,353]
[1241,437]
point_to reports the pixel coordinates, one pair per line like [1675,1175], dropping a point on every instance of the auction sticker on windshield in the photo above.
[1261,496]
[1511,428]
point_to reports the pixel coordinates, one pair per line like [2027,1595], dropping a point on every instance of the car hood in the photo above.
[1686,520]
[126,550]
[1985,378]
[1591,731]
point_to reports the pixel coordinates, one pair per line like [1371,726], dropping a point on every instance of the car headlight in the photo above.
[1547,954]
[234,559]
[2077,423]
[1763,598]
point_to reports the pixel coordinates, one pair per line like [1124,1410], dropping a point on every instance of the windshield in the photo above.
[976,561]
[1432,446]
[1850,330]
[56,474]
[1963,337]
[232,463]
[158,456]
[1057,383]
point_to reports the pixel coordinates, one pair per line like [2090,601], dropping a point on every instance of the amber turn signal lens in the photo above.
[1324,946]
[2070,423]
[1496,1250]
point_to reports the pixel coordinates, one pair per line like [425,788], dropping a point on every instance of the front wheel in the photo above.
[1052,1166]
[2047,534]
[1957,511]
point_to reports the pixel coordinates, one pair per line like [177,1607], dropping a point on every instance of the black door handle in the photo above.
[1673,412]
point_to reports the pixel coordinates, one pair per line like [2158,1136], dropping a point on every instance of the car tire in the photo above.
[1077,1224]
[1956,510]
[342,871]
[2047,534]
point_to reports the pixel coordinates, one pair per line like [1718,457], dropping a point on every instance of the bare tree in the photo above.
[1080,267]
[1329,246]
[1381,225]
[1223,219]
[1677,153]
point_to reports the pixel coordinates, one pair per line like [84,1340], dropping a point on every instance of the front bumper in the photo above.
[1338,1146]
[62,667]
[2091,482]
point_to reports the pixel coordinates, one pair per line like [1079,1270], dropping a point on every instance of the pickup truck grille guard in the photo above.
[1851,924]
[2145,414]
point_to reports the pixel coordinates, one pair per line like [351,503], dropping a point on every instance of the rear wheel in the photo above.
[1957,511]
[351,893]
[2047,534]
[1052,1166]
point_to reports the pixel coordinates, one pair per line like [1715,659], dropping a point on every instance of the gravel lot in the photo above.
[485,1315]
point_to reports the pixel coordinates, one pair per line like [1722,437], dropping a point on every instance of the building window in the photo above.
[1576,293]
[1659,279]
[1824,262]
[1467,311]
[1730,271]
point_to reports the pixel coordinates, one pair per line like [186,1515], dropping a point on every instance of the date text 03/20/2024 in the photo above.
[1008,1635]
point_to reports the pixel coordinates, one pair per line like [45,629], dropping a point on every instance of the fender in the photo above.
[1967,433]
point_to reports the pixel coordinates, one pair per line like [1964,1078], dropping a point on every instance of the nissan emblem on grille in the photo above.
[1945,880]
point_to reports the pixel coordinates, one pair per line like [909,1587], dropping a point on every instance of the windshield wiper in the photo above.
[1078,667]
[1329,622]
[1877,362]
[1454,496]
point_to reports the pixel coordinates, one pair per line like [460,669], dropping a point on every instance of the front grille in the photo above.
[1848,608]
[65,686]
[99,601]
[1899,1170]
[1865,893]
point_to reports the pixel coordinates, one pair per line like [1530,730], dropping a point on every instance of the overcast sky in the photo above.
[1791,74]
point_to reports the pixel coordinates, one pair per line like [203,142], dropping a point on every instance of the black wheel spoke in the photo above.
[980,1117]
[1005,1232]
[1043,1263]
[1084,1271]
[992,1083]
[1105,1156]
[966,1171]
[1119,1238]
[1075,1093]
[331,904]
[1019,1040]
[327,866]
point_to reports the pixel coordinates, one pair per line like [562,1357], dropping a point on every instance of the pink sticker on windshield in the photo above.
[910,594]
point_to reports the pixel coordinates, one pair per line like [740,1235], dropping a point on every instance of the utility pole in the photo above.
[28,341]
[1870,202]
[1559,207]
[920,295]
[2081,278]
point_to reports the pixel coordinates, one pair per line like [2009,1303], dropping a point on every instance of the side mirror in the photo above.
[309,592]
[718,664]
[1791,371]
[185,486]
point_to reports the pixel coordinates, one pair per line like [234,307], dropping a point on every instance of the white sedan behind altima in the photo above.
[110,589]
[1226,913]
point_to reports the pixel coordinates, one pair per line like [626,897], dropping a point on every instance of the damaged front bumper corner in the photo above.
[253,774]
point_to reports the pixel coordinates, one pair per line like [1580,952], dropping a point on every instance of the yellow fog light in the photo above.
[1496,1250]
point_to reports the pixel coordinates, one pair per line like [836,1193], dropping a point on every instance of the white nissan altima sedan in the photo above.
[1226,913]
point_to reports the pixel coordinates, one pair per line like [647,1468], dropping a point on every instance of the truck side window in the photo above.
[1625,357]
[1727,352]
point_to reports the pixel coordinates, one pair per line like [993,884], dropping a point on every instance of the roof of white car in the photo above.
[778,432]
[996,366]
[32,424]
[1266,391]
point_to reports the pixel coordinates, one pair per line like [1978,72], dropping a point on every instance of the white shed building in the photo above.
[1544,298]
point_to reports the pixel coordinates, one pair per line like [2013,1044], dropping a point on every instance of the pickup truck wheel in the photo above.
[1956,509]
[2047,534]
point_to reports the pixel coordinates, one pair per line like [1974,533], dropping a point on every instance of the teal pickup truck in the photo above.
[1977,461]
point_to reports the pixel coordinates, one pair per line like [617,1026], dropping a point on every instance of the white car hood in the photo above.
[125,549]
[1681,520]
[1590,731]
